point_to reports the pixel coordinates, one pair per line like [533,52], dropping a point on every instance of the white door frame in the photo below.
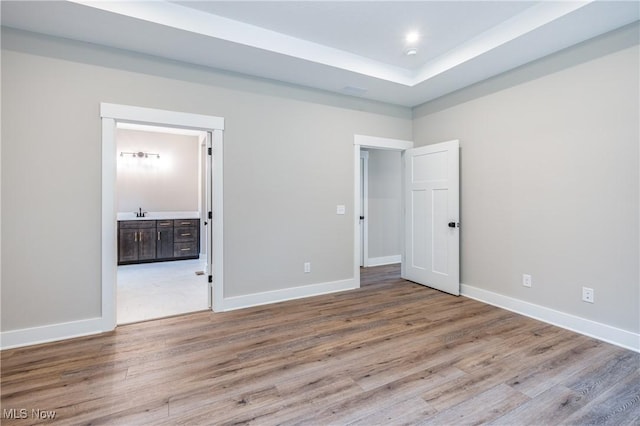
[364,208]
[112,114]
[374,142]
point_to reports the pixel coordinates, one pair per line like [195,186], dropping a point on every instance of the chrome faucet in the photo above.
[140,213]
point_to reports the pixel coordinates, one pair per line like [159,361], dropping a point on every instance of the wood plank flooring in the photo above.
[390,353]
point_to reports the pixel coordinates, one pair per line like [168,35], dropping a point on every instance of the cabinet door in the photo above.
[147,244]
[164,243]
[127,245]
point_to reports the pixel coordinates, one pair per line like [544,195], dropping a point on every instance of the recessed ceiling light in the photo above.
[412,37]
[411,51]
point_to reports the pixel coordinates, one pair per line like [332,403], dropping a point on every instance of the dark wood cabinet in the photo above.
[158,240]
[146,244]
[136,241]
[164,244]
[127,245]
[186,238]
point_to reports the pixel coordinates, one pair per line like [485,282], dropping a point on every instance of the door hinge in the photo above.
[210,151]
[210,278]
[210,215]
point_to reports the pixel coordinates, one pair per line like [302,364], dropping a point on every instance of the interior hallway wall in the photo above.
[385,204]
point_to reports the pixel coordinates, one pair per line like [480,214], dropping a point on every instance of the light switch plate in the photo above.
[341,209]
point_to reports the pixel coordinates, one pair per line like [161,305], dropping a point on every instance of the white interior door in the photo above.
[208,218]
[432,211]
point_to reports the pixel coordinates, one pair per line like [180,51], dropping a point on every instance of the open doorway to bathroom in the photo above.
[161,204]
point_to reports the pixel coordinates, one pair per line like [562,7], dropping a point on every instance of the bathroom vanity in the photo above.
[158,237]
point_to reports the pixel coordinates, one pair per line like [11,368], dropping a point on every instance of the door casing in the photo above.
[373,142]
[112,114]
[364,208]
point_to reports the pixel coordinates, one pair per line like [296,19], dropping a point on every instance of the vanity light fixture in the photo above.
[139,154]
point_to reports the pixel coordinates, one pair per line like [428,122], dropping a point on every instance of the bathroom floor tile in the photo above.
[155,290]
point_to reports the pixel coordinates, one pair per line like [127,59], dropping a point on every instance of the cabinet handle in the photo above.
[185,223]
[158,235]
[185,235]
[135,237]
[185,249]
[140,236]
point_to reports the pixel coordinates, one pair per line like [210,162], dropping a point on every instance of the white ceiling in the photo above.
[355,48]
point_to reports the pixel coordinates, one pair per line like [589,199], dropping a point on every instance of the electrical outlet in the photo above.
[526,280]
[588,295]
[307,267]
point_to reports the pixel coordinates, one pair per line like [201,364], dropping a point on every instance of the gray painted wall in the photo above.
[288,163]
[549,179]
[168,183]
[385,203]
[549,174]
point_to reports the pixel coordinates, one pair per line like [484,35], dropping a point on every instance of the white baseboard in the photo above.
[54,332]
[385,260]
[607,333]
[50,333]
[256,299]
[626,339]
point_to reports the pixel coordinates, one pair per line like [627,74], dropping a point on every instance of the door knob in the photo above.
[454,225]
[361,217]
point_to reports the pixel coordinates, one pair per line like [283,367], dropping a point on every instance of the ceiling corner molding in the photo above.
[517,26]
[209,25]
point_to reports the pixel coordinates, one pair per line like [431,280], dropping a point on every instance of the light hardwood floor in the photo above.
[391,352]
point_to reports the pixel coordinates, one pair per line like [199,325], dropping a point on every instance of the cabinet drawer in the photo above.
[185,249]
[185,234]
[186,222]
[137,224]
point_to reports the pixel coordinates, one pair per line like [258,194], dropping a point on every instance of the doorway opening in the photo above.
[381,207]
[362,144]
[160,200]
[207,223]
[430,211]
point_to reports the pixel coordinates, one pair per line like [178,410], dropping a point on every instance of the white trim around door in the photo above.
[111,115]
[374,142]
[364,208]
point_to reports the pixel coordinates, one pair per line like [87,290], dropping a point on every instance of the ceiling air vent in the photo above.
[353,90]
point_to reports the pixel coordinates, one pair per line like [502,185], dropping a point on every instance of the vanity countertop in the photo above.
[159,216]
